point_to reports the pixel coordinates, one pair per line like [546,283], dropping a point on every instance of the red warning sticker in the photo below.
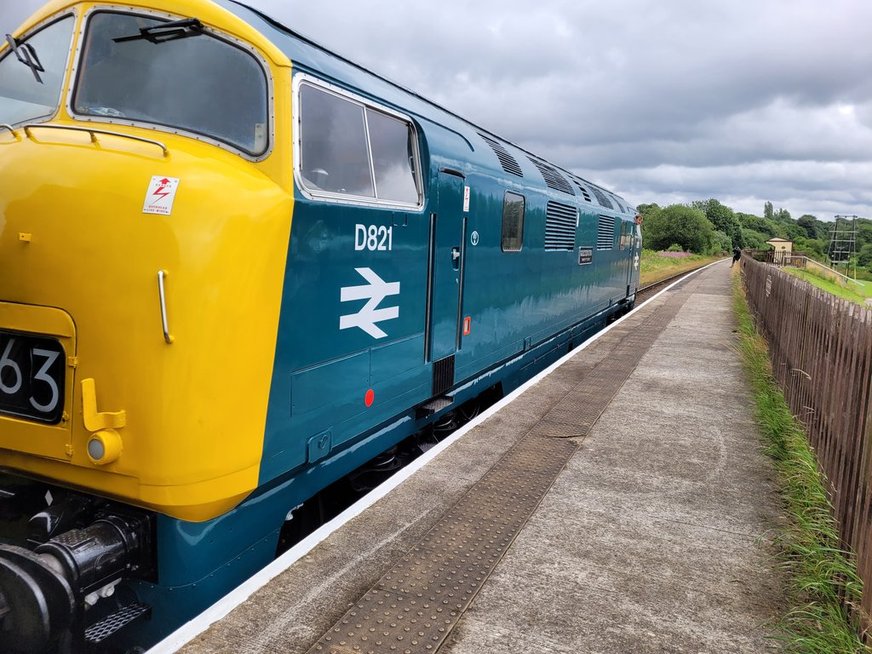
[160,195]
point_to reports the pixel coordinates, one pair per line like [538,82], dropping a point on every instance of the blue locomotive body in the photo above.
[465,302]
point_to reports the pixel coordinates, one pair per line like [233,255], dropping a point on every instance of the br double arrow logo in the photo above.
[374,291]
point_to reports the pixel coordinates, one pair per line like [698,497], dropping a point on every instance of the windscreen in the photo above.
[32,72]
[140,69]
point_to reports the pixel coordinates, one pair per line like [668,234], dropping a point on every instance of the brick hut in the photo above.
[782,248]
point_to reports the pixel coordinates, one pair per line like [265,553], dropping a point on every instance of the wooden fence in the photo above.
[821,351]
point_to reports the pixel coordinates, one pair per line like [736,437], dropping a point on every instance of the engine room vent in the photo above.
[602,199]
[560,223]
[605,233]
[553,179]
[583,190]
[507,161]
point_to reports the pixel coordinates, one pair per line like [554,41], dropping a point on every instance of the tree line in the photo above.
[709,227]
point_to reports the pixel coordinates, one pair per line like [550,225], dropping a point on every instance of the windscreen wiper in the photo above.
[177,29]
[26,54]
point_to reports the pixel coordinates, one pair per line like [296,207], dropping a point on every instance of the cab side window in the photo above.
[393,153]
[334,151]
[351,150]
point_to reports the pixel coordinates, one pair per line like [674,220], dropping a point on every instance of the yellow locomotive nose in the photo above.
[172,421]
[145,210]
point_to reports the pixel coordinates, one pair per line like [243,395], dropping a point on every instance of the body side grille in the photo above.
[560,223]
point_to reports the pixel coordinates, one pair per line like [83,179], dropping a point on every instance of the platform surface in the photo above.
[656,536]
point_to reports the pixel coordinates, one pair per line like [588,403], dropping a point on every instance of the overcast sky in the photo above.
[662,101]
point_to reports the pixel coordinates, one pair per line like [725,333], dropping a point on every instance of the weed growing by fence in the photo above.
[822,579]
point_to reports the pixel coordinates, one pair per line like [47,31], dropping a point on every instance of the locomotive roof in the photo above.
[308,54]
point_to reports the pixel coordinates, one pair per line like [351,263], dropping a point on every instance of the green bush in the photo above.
[721,242]
[680,225]
[754,239]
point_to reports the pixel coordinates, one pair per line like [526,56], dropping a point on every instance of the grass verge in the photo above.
[656,266]
[857,293]
[819,574]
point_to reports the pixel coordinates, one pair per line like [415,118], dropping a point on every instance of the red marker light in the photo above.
[369,398]
[467,325]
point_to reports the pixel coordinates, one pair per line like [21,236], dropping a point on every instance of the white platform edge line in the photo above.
[197,625]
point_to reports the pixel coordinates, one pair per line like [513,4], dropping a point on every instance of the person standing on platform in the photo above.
[737,254]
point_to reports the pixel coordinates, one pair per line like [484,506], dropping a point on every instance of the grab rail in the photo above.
[93,132]
[11,130]
[162,294]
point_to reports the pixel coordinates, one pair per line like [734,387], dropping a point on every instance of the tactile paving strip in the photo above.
[576,414]
[415,605]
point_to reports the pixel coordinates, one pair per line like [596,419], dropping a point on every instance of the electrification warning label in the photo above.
[160,195]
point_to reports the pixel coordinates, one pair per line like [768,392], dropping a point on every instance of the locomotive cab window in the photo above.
[141,69]
[351,150]
[626,235]
[31,73]
[513,222]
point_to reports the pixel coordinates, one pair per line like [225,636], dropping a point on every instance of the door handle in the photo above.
[455,257]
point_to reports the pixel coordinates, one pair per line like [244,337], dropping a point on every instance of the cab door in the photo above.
[634,238]
[445,276]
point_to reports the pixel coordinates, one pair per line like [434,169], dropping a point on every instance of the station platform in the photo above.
[620,503]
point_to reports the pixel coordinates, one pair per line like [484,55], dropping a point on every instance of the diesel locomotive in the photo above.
[234,267]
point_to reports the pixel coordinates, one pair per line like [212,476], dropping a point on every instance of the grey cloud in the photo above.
[13,13]
[821,190]
[659,100]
